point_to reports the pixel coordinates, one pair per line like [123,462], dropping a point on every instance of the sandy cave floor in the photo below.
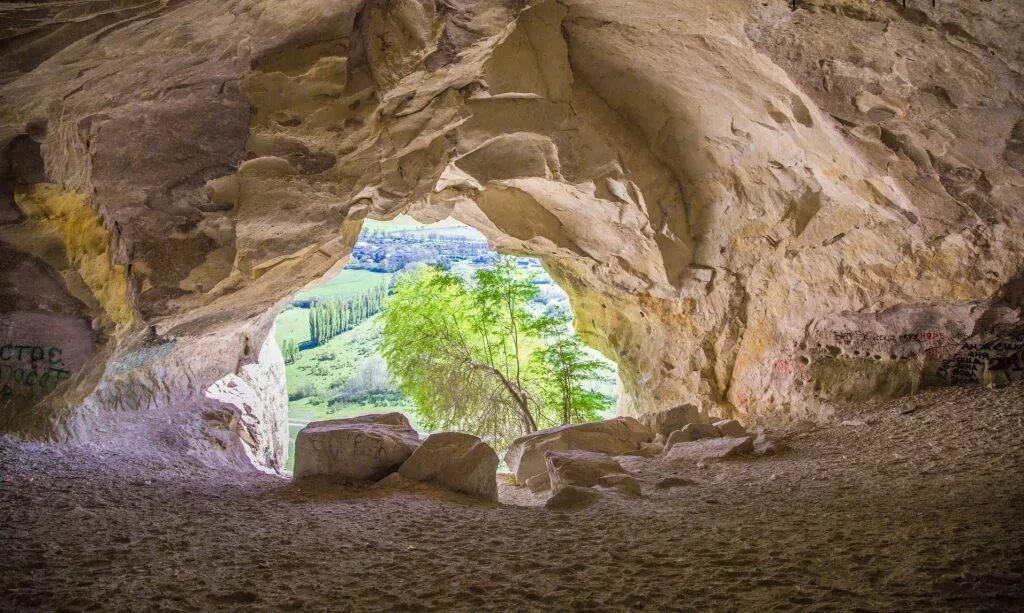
[920,509]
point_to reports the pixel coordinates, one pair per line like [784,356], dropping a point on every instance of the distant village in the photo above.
[394,251]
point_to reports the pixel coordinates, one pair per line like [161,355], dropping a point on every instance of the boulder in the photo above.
[710,449]
[358,449]
[457,461]
[572,498]
[668,421]
[582,468]
[731,427]
[525,457]
[692,432]
[539,483]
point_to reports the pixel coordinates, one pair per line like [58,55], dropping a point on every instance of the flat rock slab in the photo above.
[711,449]
[525,456]
[457,461]
[354,450]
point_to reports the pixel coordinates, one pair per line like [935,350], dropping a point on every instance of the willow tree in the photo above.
[466,352]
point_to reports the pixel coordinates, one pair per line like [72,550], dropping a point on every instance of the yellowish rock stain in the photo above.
[86,240]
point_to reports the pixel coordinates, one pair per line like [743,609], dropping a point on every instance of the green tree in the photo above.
[290,351]
[563,368]
[462,351]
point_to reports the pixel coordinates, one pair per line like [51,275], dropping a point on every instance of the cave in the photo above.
[802,219]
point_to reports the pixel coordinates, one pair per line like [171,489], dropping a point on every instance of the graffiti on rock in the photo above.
[985,362]
[29,370]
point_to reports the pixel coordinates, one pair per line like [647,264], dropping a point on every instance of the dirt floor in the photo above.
[920,508]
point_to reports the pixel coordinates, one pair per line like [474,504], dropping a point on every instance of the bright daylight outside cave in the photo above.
[512,305]
[339,340]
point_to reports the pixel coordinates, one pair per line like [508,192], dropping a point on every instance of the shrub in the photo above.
[303,391]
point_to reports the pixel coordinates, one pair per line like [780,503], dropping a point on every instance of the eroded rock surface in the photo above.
[752,208]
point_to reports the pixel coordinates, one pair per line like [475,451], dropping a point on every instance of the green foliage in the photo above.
[467,353]
[562,369]
[290,351]
[329,318]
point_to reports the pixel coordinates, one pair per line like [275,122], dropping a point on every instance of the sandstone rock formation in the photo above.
[259,397]
[355,450]
[752,208]
[525,457]
[668,421]
[457,461]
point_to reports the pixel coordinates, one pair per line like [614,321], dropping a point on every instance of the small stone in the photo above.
[670,482]
[854,423]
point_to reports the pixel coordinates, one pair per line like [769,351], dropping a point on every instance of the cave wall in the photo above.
[758,209]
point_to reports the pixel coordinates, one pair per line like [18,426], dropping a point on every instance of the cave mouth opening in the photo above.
[330,335]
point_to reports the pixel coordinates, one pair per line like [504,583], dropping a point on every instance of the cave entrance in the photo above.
[331,335]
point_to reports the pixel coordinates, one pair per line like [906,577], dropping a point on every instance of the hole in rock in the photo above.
[351,345]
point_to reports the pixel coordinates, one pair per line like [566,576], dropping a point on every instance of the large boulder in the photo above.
[353,450]
[710,449]
[525,457]
[731,427]
[668,421]
[457,461]
[582,468]
[692,432]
